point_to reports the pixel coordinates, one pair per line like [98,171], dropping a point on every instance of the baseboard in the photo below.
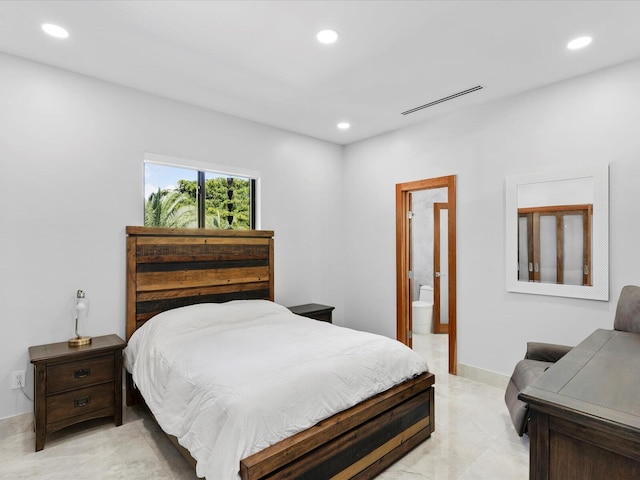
[16,424]
[483,376]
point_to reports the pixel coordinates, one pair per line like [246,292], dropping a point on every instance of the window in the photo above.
[186,197]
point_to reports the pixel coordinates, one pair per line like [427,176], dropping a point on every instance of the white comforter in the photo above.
[230,379]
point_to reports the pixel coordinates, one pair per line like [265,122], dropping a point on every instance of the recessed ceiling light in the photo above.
[578,43]
[344,125]
[327,36]
[55,30]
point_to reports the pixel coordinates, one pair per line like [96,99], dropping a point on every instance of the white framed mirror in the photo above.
[557,233]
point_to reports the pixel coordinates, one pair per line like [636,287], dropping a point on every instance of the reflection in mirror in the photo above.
[557,233]
[554,243]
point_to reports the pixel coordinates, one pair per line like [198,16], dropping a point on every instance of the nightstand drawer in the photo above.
[79,402]
[78,374]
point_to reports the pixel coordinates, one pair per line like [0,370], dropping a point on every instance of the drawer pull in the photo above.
[83,372]
[82,401]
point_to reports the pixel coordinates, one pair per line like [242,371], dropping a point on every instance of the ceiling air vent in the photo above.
[445,99]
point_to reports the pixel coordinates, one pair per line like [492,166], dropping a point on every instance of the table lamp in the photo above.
[81,313]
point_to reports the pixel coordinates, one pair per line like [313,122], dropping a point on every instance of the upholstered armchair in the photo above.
[540,356]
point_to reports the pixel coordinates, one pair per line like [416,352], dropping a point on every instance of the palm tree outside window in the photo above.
[178,197]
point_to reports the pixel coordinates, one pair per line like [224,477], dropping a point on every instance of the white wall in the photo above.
[71,172]
[589,120]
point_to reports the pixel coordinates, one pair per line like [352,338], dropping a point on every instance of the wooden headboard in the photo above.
[170,267]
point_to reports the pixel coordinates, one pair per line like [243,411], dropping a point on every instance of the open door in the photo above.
[403,261]
[440,268]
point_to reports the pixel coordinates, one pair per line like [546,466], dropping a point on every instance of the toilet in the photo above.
[422,310]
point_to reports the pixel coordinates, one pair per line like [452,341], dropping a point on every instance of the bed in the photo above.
[173,271]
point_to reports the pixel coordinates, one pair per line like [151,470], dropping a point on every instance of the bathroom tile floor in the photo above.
[473,439]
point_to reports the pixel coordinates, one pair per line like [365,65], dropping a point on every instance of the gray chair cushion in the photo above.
[628,310]
[546,352]
[524,374]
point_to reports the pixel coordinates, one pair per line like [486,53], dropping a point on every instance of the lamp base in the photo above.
[78,341]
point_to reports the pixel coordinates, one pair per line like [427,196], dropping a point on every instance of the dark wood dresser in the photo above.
[315,311]
[74,384]
[585,412]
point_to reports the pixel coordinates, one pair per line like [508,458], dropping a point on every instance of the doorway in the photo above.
[442,280]
[440,267]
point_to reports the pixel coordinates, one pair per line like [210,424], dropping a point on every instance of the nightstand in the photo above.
[74,384]
[314,310]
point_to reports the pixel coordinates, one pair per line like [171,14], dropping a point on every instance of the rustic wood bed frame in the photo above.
[169,268]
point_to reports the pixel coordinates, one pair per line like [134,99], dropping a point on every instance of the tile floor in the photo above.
[473,439]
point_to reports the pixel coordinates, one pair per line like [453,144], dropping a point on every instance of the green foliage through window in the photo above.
[171,199]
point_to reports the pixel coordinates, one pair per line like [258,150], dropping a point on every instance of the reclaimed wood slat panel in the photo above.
[199,278]
[198,251]
[201,291]
[378,466]
[201,240]
[141,232]
[131,287]
[382,450]
[201,264]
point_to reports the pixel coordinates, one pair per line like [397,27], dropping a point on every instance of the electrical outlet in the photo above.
[17,379]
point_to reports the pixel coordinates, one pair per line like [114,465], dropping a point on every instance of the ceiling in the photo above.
[259,60]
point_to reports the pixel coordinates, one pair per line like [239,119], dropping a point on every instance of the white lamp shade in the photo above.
[80,314]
